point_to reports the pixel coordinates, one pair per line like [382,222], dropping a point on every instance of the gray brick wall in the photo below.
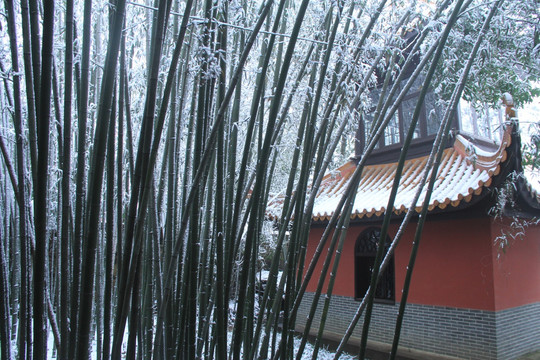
[518,330]
[462,333]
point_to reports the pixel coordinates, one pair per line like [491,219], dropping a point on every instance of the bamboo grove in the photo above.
[142,141]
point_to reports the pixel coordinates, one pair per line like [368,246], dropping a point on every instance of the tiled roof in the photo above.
[465,170]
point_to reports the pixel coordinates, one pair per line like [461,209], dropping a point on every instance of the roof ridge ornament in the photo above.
[508,101]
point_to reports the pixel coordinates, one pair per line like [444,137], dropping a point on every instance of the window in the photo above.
[364,257]
[396,131]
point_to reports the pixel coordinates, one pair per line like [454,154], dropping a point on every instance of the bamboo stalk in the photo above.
[5,328]
[220,301]
[80,191]
[95,183]
[30,86]
[66,175]
[109,231]
[9,167]
[40,196]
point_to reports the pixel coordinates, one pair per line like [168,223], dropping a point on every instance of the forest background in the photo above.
[141,143]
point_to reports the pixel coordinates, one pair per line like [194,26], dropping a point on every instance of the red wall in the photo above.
[517,269]
[456,266]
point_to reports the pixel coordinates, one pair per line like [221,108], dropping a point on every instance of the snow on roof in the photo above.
[465,170]
[457,180]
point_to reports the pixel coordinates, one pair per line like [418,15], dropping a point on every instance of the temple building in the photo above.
[475,291]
